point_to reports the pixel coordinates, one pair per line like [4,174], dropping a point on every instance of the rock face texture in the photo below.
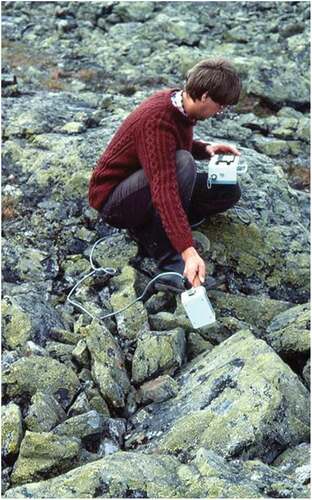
[141,405]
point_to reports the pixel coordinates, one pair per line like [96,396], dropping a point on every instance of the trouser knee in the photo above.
[231,195]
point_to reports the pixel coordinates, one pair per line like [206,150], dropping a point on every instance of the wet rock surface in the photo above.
[140,405]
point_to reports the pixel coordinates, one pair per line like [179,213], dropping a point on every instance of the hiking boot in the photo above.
[173,282]
[135,236]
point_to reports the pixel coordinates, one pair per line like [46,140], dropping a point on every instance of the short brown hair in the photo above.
[217,77]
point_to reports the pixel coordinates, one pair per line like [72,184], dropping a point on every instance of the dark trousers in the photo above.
[130,204]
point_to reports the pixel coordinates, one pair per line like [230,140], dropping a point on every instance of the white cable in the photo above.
[111,271]
[246,219]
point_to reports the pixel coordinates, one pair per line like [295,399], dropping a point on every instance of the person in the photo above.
[146,179]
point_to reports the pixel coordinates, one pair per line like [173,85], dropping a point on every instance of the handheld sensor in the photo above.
[198,307]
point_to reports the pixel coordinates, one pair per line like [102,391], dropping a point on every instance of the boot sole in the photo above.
[160,287]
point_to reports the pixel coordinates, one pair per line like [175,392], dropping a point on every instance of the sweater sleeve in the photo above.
[199,150]
[156,148]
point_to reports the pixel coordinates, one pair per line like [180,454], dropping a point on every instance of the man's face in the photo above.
[206,107]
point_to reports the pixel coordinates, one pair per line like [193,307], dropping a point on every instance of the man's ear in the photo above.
[204,97]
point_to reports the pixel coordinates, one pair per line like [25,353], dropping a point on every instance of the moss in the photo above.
[187,432]
[11,429]
[158,353]
[108,368]
[258,311]
[27,375]
[42,453]
[17,325]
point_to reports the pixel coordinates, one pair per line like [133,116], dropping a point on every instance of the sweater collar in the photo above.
[182,116]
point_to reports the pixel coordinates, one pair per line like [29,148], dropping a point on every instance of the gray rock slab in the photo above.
[140,475]
[157,353]
[240,400]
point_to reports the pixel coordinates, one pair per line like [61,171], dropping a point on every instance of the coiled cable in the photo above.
[111,271]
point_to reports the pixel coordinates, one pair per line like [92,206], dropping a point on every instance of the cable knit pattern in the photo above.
[149,138]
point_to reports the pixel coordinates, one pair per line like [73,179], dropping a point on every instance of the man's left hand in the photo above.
[213,149]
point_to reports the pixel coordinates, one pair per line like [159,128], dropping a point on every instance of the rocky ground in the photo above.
[141,404]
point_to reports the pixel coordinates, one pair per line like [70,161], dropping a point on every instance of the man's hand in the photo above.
[194,269]
[213,149]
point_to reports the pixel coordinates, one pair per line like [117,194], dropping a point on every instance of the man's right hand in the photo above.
[194,269]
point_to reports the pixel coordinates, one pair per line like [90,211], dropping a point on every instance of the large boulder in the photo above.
[28,317]
[43,454]
[40,373]
[158,353]
[129,320]
[296,461]
[44,412]
[240,400]
[142,475]
[107,364]
[289,335]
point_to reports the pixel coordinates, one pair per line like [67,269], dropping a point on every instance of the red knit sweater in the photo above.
[149,137]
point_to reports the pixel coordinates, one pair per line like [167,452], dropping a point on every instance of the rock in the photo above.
[142,475]
[178,30]
[267,255]
[73,128]
[81,426]
[289,334]
[8,358]
[115,252]
[44,413]
[107,362]
[61,352]
[291,29]
[159,389]
[271,147]
[157,353]
[168,321]
[28,317]
[95,400]
[28,375]
[43,454]
[238,478]
[196,344]
[74,267]
[17,324]
[239,400]
[131,404]
[307,373]
[80,405]
[31,348]
[134,11]
[160,301]
[99,404]
[8,79]
[277,88]
[107,447]
[80,353]
[64,336]
[115,429]
[131,320]
[30,264]
[303,131]
[11,430]
[222,329]
[295,461]
[139,475]
[257,311]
